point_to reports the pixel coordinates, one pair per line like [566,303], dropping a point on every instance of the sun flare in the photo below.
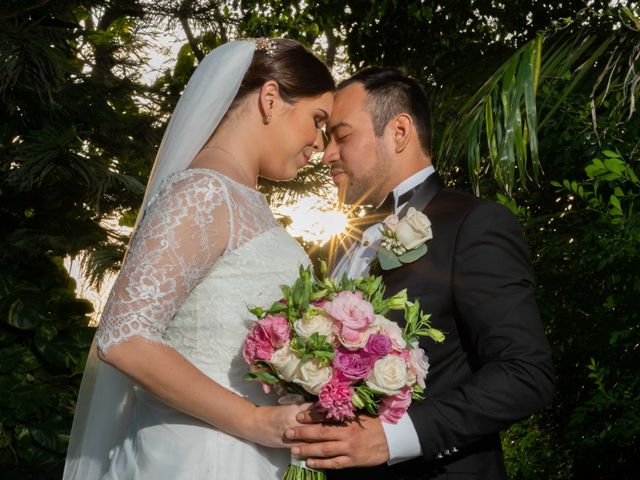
[314,219]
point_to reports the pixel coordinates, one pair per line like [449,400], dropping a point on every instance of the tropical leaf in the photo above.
[497,128]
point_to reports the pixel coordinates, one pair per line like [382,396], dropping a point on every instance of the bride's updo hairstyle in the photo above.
[298,72]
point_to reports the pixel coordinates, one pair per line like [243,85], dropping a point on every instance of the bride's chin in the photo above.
[284,177]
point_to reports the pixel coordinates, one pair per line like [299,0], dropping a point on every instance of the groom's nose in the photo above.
[331,153]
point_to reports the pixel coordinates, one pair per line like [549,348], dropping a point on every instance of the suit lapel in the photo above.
[424,194]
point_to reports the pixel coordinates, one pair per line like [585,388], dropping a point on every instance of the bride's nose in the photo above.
[318,144]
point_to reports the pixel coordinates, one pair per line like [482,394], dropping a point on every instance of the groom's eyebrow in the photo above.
[333,128]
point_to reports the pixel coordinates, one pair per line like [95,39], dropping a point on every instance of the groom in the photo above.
[476,280]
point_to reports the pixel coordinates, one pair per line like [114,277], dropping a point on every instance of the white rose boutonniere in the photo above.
[404,240]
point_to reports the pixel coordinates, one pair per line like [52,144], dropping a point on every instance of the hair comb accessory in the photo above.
[265,45]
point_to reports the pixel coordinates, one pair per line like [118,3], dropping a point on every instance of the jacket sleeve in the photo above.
[493,294]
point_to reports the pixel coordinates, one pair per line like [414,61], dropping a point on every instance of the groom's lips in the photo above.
[335,174]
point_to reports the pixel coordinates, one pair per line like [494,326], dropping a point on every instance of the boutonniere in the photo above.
[404,240]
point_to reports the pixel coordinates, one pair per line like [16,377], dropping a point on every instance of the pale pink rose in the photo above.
[335,400]
[355,340]
[392,331]
[353,313]
[393,407]
[403,354]
[419,364]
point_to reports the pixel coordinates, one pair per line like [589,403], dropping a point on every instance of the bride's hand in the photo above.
[270,423]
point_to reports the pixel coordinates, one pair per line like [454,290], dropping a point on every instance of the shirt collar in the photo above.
[410,183]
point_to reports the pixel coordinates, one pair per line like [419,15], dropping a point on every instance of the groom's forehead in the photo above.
[349,103]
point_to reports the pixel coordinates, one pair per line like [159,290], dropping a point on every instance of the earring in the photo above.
[266,119]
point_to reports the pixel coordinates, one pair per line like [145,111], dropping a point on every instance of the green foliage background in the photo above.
[79,129]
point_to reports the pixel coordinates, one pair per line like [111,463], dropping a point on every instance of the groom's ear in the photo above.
[268,97]
[402,129]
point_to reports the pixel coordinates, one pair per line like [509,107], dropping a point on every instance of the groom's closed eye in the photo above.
[339,131]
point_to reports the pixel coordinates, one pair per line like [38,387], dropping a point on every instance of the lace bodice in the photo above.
[205,249]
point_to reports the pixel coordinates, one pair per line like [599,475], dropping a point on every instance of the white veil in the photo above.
[105,397]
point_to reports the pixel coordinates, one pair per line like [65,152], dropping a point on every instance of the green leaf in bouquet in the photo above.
[298,345]
[370,285]
[323,268]
[296,294]
[413,255]
[319,294]
[277,307]
[324,357]
[417,392]
[262,376]
[411,315]
[398,301]
[257,311]
[436,335]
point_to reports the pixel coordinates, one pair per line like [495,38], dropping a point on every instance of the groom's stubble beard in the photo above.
[367,189]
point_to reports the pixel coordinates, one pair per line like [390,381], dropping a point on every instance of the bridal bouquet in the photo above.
[329,342]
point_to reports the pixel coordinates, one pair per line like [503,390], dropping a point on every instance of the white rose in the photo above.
[312,377]
[319,323]
[389,375]
[391,330]
[285,362]
[414,229]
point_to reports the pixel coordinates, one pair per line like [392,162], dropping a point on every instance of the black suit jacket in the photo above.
[494,367]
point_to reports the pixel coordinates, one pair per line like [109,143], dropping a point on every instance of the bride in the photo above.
[166,399]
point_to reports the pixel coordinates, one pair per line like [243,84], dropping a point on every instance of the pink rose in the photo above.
[267,335]
[393,407]
[335,400]
[353,313]
[276,329]
[377,346]
[257,346]
[352,365]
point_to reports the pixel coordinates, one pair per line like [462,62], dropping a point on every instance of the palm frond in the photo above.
[497,129]
[313,179]
[100,261]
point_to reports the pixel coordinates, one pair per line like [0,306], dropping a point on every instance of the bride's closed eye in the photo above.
[320,121]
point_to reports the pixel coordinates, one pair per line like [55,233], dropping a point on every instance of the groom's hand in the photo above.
[358,443]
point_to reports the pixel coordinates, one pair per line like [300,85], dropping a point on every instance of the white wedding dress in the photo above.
[206,248]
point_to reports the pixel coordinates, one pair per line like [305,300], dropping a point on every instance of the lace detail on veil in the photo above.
[197,216]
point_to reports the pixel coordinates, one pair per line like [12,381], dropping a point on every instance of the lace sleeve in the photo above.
[185,230]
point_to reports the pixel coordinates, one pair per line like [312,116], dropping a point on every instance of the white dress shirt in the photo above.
[402,437]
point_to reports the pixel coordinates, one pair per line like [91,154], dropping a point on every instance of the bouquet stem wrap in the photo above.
[297,470]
